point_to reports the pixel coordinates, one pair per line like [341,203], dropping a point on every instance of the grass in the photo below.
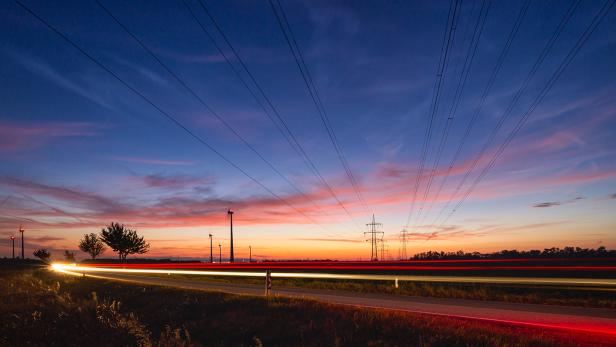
[44,308]
[475,291]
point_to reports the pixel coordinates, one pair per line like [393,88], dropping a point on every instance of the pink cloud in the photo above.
[185,210]
[23,136]
[152,161]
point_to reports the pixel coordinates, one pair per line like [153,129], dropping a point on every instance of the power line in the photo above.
[314,94]
[544,91]
[287,133]
[446,45]
[468,62]
[53,208]
[164,113]
[479,107]
[204,103]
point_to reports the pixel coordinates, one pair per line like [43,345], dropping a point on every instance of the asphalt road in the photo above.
[593,320]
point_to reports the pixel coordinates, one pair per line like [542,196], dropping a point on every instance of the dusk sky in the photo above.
[78,149]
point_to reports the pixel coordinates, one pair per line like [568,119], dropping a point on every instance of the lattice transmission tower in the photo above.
[375,231]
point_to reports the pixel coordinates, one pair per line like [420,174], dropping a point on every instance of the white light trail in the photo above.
[591,282]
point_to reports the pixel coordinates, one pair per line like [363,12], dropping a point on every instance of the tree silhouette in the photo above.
[554,252]
[92,244]
[69,256]
[123,240]
[42,254]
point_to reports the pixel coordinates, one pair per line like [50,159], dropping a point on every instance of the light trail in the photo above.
[537,319]
[436,265]
[423,261]
[588,328]
[591,282]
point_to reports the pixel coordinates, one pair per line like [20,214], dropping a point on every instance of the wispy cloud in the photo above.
[329,240]
[72,196]
[84,89]
[152,161]
[144,72]
[548,204]
[557,203]
[174,181]
[198,58]
[16,136]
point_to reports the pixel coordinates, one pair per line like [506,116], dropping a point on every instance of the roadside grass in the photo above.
[40,307]
[548,295]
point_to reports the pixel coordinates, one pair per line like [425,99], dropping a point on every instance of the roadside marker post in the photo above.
[396,282]
[268,282]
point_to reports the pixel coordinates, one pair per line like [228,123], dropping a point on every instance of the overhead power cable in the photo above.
[289,37]
[207,107]
[599,16]
[438,84]
[479,107]
[464,74]
[285,130]
[161,111]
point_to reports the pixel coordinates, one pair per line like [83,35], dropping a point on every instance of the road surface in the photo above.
[591,320]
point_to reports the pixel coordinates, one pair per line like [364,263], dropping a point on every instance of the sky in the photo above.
[419,106]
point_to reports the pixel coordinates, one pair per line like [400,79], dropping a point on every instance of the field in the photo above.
[40,307]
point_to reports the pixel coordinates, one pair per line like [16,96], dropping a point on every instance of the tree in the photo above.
[123,240]
[92,245]
[42,254]
[69,256]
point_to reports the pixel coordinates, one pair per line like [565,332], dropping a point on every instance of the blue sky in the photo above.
[80,150]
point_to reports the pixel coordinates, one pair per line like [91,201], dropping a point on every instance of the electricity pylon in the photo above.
[384,249]
[403,240]
[374,232]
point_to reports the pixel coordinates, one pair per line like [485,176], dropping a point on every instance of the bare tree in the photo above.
[123,240]
[92,244]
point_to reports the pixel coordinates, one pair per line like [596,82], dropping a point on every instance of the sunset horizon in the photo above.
[504,142]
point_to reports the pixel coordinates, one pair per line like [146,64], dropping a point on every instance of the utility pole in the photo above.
[374,231]
[403,240]
[13,239]
[231,257]
[211,258]
[219,252]
[250,254]
[21,230]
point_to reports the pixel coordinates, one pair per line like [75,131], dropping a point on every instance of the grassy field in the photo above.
[44,308]
[507,293]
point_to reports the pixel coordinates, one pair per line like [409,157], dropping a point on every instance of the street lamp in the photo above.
[21,230]
[250,254]
[219,252]
[211,259]
[13,239]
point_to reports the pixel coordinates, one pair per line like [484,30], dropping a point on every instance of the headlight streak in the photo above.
[586,327]
[592,282]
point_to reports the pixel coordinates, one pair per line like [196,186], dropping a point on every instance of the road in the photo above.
[590,320]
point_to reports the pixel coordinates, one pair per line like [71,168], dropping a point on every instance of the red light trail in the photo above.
[422,265]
